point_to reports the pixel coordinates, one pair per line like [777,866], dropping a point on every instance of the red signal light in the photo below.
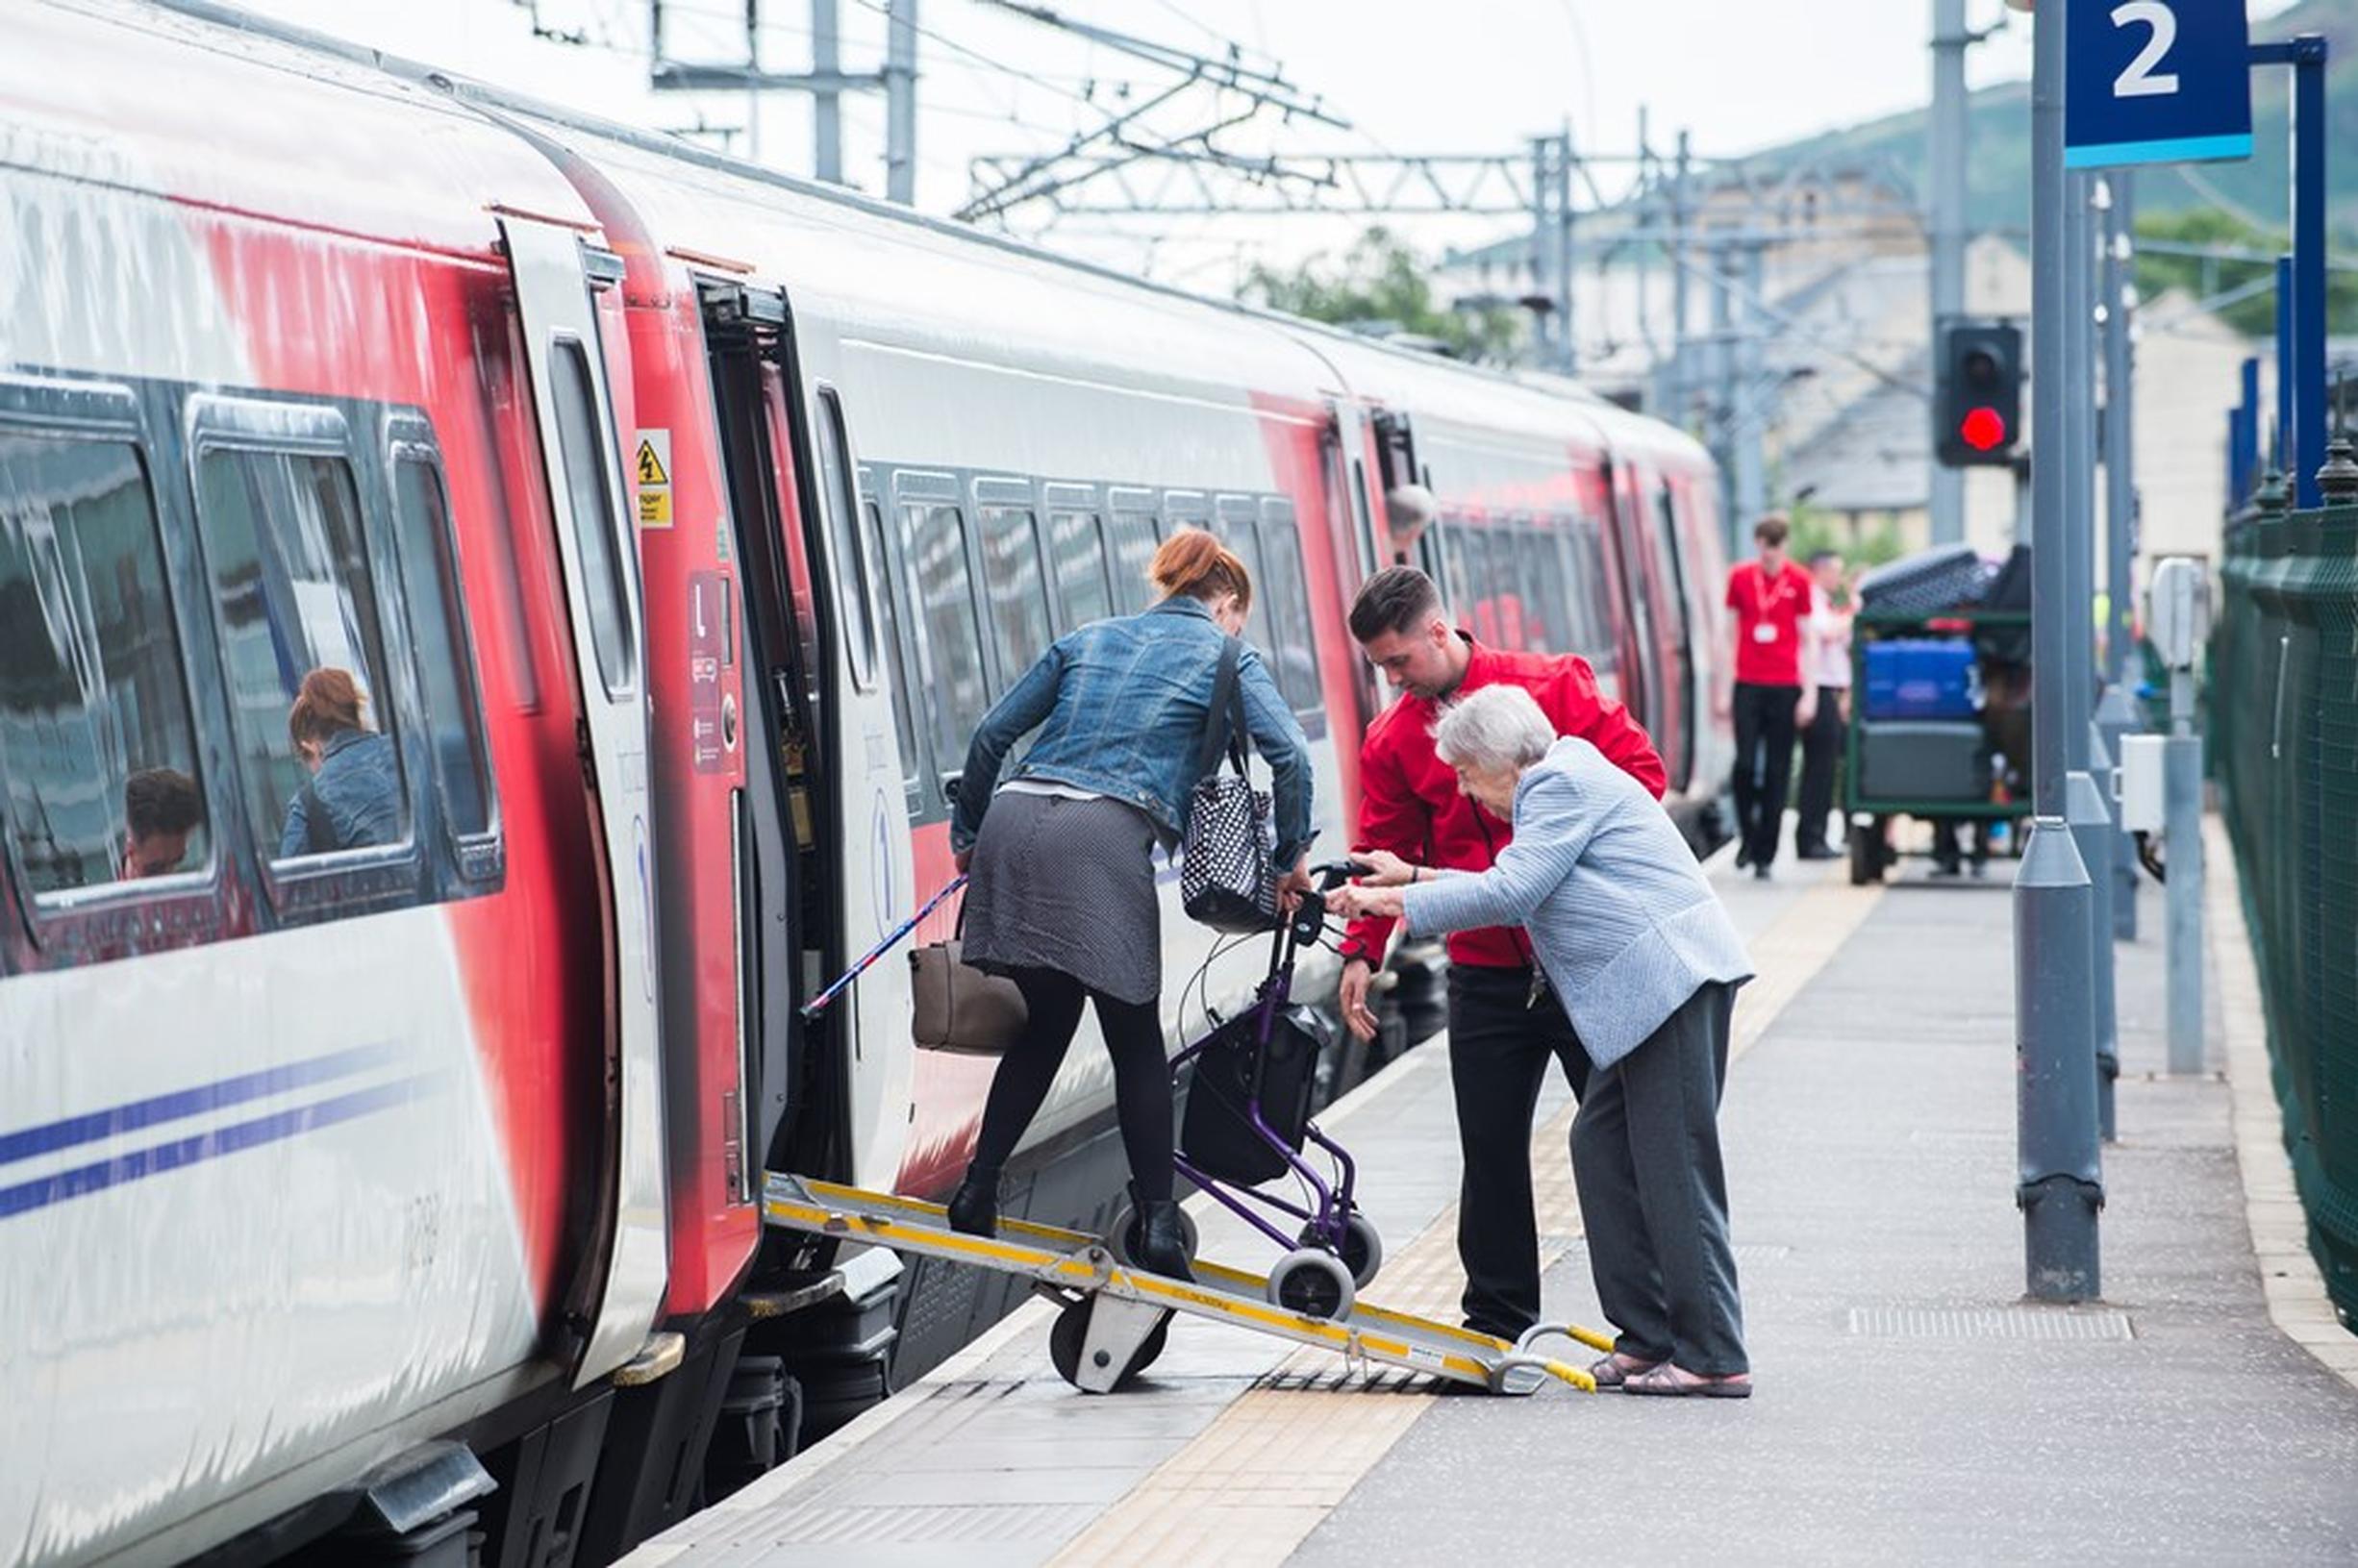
[1982,430]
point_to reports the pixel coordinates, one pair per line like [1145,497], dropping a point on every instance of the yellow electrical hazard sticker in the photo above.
[653,472]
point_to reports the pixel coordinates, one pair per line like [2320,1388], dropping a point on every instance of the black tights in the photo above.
[1142,1076]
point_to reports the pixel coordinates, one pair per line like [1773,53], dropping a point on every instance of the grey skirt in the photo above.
[1066,885]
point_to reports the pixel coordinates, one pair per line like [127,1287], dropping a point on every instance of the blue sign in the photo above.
[2156,82]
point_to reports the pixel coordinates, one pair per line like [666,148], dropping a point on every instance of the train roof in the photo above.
[100,91]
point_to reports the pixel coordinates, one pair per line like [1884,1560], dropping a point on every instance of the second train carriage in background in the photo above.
[680,520]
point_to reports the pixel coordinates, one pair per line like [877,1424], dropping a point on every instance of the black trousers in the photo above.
[1141,1077]
[1500,1046]
[1764,764]
[1821,756]
[1645,1156]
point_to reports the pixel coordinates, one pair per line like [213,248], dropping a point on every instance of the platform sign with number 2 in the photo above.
[2156,82]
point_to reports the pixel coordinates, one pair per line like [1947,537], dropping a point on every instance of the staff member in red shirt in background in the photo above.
[1771,597]
[1503,1025]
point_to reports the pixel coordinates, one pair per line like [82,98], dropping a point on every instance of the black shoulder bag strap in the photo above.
[1224,722]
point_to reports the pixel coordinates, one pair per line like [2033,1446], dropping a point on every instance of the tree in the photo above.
[2254,317]
[1381,287]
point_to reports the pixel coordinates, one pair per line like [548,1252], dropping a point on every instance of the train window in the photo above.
[1076,545]
[98,748]
[1020,627]
[445,656]
[1547,605]
[586,453]
[1241,538]
[950,652]
[1295,653]
[1604,650]
[1135,539]
[853,588]
[1481,586]
[1458,588]
[903,730]
[290,580]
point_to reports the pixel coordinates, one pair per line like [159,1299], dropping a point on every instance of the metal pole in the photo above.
[1569,341]
[1949,39]
[2280,439]
[1681,414]
[2247,456]
[1722,425]
[2088,803]
[1542,254]
[2305,440]
[900,74]
[2182,819]
[826,104]
[2058,1177]
[1751,419]
[2117,716]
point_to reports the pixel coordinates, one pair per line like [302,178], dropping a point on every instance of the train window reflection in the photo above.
[96,745]
[445,658]
[1077,544]
[1019,624]
[302,651]
[1134,538]
[585,456]
[1281,554]
[852,583]
[950,651]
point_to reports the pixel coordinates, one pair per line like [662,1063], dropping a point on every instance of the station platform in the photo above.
[1910,1408]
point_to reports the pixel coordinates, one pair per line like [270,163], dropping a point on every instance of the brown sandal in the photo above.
[1615,1371]
[1670,1380]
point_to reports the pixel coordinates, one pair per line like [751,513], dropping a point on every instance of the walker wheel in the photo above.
[1315,1283]
[1124,1235]
[1362,1248]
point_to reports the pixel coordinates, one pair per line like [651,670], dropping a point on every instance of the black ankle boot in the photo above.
[975,1207]
[1161,1245]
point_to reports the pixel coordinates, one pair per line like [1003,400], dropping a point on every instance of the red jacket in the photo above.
[1409,801]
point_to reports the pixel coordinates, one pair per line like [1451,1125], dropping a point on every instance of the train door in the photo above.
[830,846]
[1642,685]
[598,553]
[1674,621]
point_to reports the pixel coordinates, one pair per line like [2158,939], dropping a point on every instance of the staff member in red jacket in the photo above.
[1768,601]
[1502,1025]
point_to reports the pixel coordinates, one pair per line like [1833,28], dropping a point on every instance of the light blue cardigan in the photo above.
[1621,919]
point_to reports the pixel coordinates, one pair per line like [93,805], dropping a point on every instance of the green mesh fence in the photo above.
[2283,707]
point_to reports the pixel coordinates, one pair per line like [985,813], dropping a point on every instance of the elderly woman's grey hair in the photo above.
[1494,730]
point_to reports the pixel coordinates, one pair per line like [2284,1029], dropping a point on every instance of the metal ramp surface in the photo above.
[1116,1316]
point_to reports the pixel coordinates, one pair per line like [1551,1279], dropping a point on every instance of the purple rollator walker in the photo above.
[1336,1249]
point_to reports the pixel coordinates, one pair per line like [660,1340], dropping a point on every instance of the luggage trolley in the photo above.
[1939,720]
[1246,1122]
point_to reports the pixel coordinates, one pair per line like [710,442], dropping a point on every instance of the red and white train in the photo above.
[678,520]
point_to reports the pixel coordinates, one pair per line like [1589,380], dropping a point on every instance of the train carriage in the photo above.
[675,521]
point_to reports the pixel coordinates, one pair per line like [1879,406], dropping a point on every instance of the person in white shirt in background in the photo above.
[1826,675]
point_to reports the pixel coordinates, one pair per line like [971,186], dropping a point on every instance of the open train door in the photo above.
[598,552]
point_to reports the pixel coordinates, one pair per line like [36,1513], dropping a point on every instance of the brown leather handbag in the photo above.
[960,1009]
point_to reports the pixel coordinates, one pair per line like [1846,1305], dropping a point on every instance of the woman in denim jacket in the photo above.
[1062,897]
[355,788]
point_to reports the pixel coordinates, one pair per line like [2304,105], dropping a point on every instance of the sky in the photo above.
[1737,74]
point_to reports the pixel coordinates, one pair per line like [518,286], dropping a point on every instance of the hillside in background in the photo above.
[2257,190]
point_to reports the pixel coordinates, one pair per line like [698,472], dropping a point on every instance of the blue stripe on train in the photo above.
[114,1120]
[233,1139]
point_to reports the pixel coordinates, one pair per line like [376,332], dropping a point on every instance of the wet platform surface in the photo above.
[1910,1407]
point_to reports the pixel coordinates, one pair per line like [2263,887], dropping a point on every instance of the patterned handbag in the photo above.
[1225,874]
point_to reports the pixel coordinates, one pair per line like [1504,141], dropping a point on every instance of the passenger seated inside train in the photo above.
[162,811]
[353,797]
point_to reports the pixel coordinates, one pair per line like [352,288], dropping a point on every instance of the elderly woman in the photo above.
[1633,943]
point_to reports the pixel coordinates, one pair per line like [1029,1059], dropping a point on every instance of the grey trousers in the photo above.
[1646,1157]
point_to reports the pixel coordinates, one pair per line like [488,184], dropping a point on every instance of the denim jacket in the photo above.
[358,785]
[1119,706]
